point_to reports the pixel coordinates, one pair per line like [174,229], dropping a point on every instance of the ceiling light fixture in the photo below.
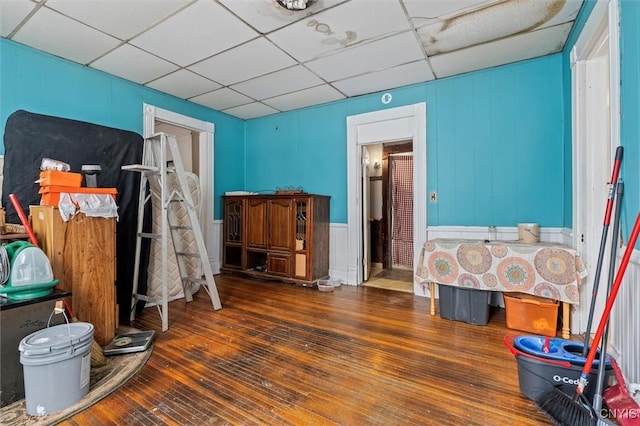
[294,4]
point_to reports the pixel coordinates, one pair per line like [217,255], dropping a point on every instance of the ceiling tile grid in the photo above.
[250,58]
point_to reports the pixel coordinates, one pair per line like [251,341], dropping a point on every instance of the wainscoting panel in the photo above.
[214,245]
[624,336]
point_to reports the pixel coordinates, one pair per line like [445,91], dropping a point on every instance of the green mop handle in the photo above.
[582,382]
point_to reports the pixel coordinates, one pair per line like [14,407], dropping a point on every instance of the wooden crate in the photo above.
[82,255]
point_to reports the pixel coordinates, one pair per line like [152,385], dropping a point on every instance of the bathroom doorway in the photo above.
[390,216]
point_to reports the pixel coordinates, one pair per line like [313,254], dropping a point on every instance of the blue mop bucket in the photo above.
[539,371]
[555,348]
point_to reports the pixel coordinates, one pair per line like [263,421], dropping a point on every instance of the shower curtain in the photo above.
[402,201]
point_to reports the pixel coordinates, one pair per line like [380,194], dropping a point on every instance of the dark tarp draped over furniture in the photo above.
[30,137]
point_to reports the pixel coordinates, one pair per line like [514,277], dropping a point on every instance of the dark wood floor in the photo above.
[278,354]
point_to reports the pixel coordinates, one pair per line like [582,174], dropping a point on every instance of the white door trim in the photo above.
[389,125]
[206,144]
[603,21]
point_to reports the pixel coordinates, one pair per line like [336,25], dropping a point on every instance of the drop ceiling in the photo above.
[251,58]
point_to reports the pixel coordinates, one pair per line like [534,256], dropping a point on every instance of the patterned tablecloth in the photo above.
[549,270]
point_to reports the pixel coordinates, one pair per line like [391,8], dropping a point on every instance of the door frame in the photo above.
[366,213]
[151,114]
[604,20]
[379,127]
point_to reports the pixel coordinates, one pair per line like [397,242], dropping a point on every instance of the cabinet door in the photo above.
[280,225]
[279,264]
[257,223]
[302,231]
[233,233]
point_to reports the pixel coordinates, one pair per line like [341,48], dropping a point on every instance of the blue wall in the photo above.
[43,84]
[498,140]
[630,109]
[494,146]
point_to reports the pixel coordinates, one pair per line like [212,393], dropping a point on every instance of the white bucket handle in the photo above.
[55,311]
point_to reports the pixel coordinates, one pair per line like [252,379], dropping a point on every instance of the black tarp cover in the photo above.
[30,137]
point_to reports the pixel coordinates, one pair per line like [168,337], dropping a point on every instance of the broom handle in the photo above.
[603,242]
[25,222]
[607,308]
[597,396]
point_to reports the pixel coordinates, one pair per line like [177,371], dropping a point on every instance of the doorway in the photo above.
[407,123]
[596,124]
[195,141]
[390,216]
[195,144]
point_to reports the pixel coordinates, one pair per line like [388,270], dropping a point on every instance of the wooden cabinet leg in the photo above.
[432,290]
[566,316]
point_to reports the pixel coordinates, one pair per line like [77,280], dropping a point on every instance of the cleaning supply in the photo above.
[576,410]
[597,399]
[30,273]
[603,241]
[620,402]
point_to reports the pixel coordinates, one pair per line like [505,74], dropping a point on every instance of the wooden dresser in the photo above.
[284,237]
[82,253]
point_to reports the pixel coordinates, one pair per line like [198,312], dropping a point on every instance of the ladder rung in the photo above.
[187,254]
[141,168]
[180,227]
[149,235]
[146,298]
[194,280]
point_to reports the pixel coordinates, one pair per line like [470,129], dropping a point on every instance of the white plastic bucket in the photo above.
[528,232]
[57,365]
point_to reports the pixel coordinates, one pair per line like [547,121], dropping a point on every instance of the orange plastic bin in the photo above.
[51,194]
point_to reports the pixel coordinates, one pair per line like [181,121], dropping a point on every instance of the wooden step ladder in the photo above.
[173,192]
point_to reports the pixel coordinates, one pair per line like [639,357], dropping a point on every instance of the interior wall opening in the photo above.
[390,215]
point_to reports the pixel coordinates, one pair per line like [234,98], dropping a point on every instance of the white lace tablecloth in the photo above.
[549,270]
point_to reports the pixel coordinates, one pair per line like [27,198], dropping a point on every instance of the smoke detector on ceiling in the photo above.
[295,4]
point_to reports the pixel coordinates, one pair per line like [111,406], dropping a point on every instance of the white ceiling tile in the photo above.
[12,12]
[278,83]
[266,15]
[221,99]
[120,18]
[54,33]
[184,84]
[249,111]
[569,12]
[345,25]
[512,49]
[133,64]
[197,32]
[359,46]
[250,60]
[388,52]
[492,23]
[402,75]
[304,98]
[424,12]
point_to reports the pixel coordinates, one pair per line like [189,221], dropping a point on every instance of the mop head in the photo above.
[565,410]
